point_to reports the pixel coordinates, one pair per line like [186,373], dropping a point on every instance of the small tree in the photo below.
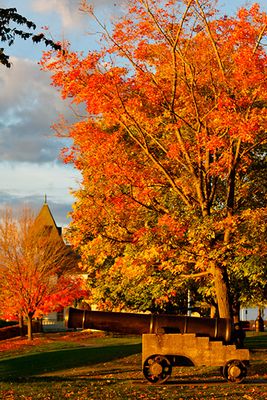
[35,269]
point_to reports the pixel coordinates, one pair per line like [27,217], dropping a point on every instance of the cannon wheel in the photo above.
[157,368]
[234,371]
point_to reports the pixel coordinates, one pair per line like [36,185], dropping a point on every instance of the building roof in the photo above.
[45,222]
[46,219]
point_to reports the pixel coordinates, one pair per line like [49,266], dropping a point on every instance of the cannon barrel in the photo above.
[130,323]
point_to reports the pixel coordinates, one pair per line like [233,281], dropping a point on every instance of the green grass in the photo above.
[110,368]
[256,340]
[35,364]
[59,345]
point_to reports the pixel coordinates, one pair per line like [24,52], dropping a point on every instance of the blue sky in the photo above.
[29,154]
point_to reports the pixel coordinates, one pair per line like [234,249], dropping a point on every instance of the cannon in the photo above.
[172,340]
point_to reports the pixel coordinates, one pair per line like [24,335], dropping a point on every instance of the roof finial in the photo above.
[45,199]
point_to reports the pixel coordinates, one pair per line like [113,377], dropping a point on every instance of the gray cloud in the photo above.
[60,211]
[26,184]
[28,107]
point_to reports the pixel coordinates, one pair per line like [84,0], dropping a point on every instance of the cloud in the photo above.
[28,107]
[26,184]
[22,179]
[69,10]
[60,211]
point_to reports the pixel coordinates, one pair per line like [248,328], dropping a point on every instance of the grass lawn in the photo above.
[82,366]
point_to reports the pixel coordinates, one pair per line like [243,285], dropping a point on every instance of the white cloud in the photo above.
[22,179]
[69,10]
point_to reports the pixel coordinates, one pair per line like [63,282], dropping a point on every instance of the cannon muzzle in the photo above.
[130,323]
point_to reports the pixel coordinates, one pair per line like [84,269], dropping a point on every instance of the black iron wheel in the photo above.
[157,368]
[234,371]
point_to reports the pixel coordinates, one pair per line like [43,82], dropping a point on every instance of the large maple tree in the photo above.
[175,121]
[36,269]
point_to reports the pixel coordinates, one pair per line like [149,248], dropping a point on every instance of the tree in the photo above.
[8,33]
[176,120]
[36,269]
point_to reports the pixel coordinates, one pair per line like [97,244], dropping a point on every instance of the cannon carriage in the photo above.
[171,340]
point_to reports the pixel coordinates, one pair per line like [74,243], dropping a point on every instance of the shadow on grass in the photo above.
[34,364]
[256,340]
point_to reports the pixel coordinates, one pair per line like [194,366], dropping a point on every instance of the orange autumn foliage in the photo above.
[36,270]
[175,119]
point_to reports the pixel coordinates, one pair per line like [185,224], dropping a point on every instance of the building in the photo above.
[46,222]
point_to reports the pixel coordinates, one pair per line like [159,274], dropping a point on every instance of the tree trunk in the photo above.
[222,291]
[236,311]
[30,337]
[21,325]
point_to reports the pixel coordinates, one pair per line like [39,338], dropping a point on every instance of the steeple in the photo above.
[45,219]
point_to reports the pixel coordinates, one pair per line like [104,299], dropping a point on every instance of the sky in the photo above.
[30,167]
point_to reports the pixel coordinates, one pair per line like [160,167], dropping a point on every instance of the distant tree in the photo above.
[8,33]
[35,269]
